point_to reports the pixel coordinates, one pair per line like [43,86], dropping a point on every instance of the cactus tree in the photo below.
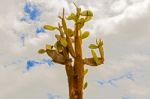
[67,50]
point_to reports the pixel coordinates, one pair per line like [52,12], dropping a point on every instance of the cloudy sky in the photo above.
[124,25]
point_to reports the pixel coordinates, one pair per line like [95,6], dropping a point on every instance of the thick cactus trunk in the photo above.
[76,77]
[75,81]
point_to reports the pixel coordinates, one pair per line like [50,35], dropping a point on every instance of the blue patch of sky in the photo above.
[126,97]
[48,61]
[53,96]
[31,11]
[32,63]
[22,39]
[39,30]
[112,80]
[29,63]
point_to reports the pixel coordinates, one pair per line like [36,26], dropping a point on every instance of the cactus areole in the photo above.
[67,50]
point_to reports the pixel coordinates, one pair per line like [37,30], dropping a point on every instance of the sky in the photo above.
[123,25]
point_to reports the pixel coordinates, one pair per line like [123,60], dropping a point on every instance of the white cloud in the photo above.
[123,24]
[118,6]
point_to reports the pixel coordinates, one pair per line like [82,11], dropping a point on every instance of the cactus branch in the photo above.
[60,30]
[91,62]
[57,57]
[70,47]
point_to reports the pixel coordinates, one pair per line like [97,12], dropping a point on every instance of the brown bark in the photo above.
[75,73]
[78,78]
[69,72]
[75,79]
[78,67]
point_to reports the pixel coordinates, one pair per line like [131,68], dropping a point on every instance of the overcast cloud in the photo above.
[124,25]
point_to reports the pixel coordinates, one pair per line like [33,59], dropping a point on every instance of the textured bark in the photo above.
[69,72]
[78,67]
[78,78]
